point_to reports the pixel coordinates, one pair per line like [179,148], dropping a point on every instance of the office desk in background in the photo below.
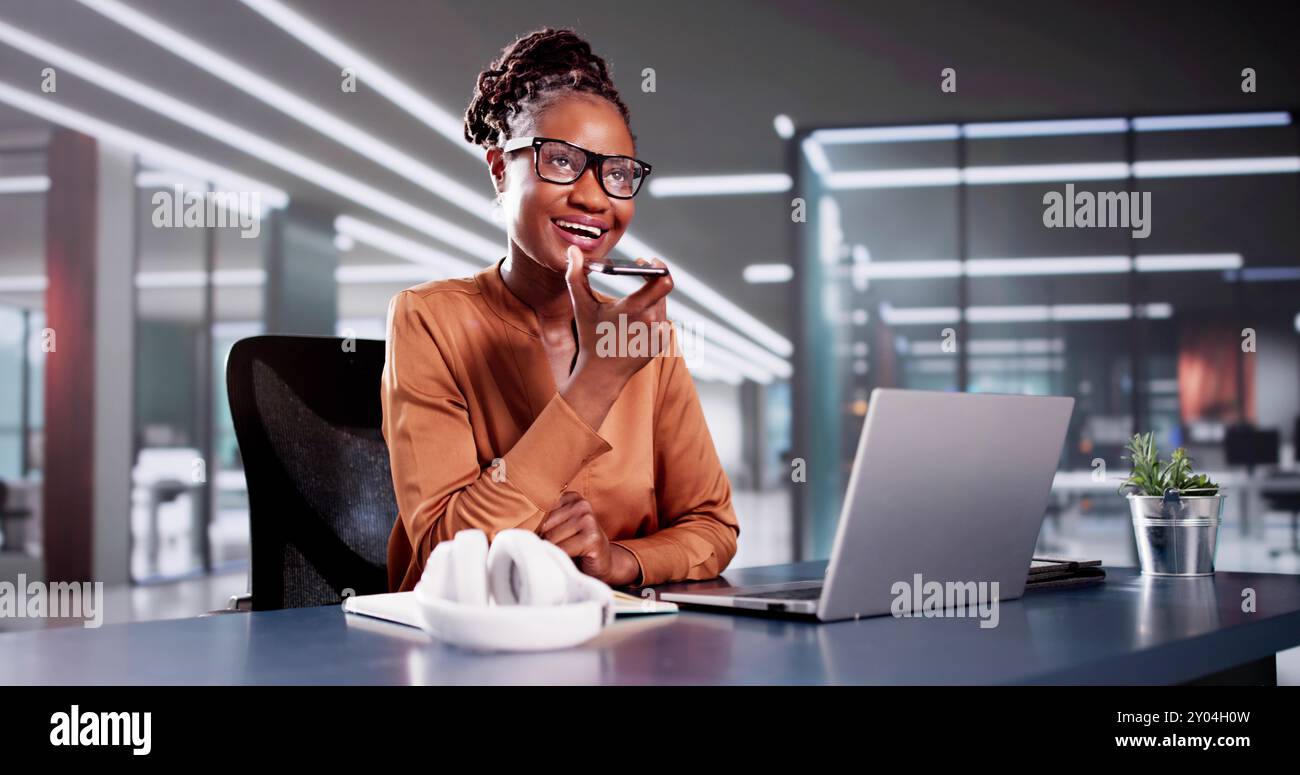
[1129,630]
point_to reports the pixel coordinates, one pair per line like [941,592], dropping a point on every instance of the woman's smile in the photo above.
[587,233]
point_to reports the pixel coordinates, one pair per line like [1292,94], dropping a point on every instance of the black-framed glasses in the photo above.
[557,161]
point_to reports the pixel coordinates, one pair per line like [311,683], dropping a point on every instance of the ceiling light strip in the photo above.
[150,151]
[292,105]
[450,126]
[24,184]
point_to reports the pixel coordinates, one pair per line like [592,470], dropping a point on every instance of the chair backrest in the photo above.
[320,492]
[1246,445]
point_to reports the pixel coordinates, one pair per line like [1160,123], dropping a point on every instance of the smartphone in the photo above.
[626,268]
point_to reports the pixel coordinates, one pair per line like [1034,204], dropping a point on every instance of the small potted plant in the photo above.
[1176,513]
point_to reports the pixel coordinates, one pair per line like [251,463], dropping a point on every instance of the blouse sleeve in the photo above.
[698,537]
[439,486]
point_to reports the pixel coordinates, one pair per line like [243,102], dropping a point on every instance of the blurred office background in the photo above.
[117,452]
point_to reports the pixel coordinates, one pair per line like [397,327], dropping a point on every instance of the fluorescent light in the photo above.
[897,178]
[768,273]
[358,274]
[1084,126]
[1037,173]
[24,184]
[1212,121]
[816,155]
[741,347]
[887,134]
[161,179]
[404,97]
[1020,313]
[156,179]
[723,359]
[371,74]
[1109,311]
[396,245]
[1185,168]
[255,145]
[1033,173]
[861,258]
[1052,266]
[714,185]
[197,278]
[1081,126]
[291,104]
[713,301]
[784,126]
[1297,323]
[1009,314]
[992,347]
[1091,312]
[1021,364]
[1065,265]
[1265,274]
[894,270]
[1189,262]
[149,151]
[343,243]
[702,371]
[23,283]
[951,176]
[904,316]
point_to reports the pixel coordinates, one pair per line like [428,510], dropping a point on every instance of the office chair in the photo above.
[320,492]
[1287,500]
[1249,446]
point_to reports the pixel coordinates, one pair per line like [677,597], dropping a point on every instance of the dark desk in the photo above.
[1129,630]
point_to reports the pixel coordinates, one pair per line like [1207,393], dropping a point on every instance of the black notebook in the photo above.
[1055,573]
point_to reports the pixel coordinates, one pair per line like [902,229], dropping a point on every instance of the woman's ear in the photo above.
[496,161]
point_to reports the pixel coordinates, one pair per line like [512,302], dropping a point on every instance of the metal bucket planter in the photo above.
[1176,536]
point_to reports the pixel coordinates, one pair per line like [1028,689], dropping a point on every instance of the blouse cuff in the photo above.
[660,558]
[557,446]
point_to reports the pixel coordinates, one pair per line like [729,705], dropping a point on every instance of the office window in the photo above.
[936,257]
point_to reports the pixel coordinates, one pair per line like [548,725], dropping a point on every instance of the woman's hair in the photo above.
[530,75]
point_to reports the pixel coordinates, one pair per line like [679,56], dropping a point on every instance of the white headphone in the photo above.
[522,594]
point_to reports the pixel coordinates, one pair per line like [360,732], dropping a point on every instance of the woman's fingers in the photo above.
[580,544]
[562,521]
[653,291]
[585,535]
[576,276]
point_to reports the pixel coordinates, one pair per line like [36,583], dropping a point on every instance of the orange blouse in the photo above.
[479,437]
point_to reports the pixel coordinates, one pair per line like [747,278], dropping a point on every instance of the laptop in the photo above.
[952,487]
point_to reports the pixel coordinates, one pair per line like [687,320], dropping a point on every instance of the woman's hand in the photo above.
[603,368]
[572,526]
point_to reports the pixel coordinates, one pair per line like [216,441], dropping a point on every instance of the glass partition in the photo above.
[1147,266]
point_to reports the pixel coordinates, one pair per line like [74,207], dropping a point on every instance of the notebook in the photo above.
[399,607]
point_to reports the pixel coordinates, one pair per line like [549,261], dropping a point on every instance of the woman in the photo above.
[499,409]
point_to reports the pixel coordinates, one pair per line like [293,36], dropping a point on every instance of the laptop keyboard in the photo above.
[806,593]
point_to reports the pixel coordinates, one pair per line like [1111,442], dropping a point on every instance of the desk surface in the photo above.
[1130,630]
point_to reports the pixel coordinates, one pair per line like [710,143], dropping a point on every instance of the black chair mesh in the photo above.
[321,504]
